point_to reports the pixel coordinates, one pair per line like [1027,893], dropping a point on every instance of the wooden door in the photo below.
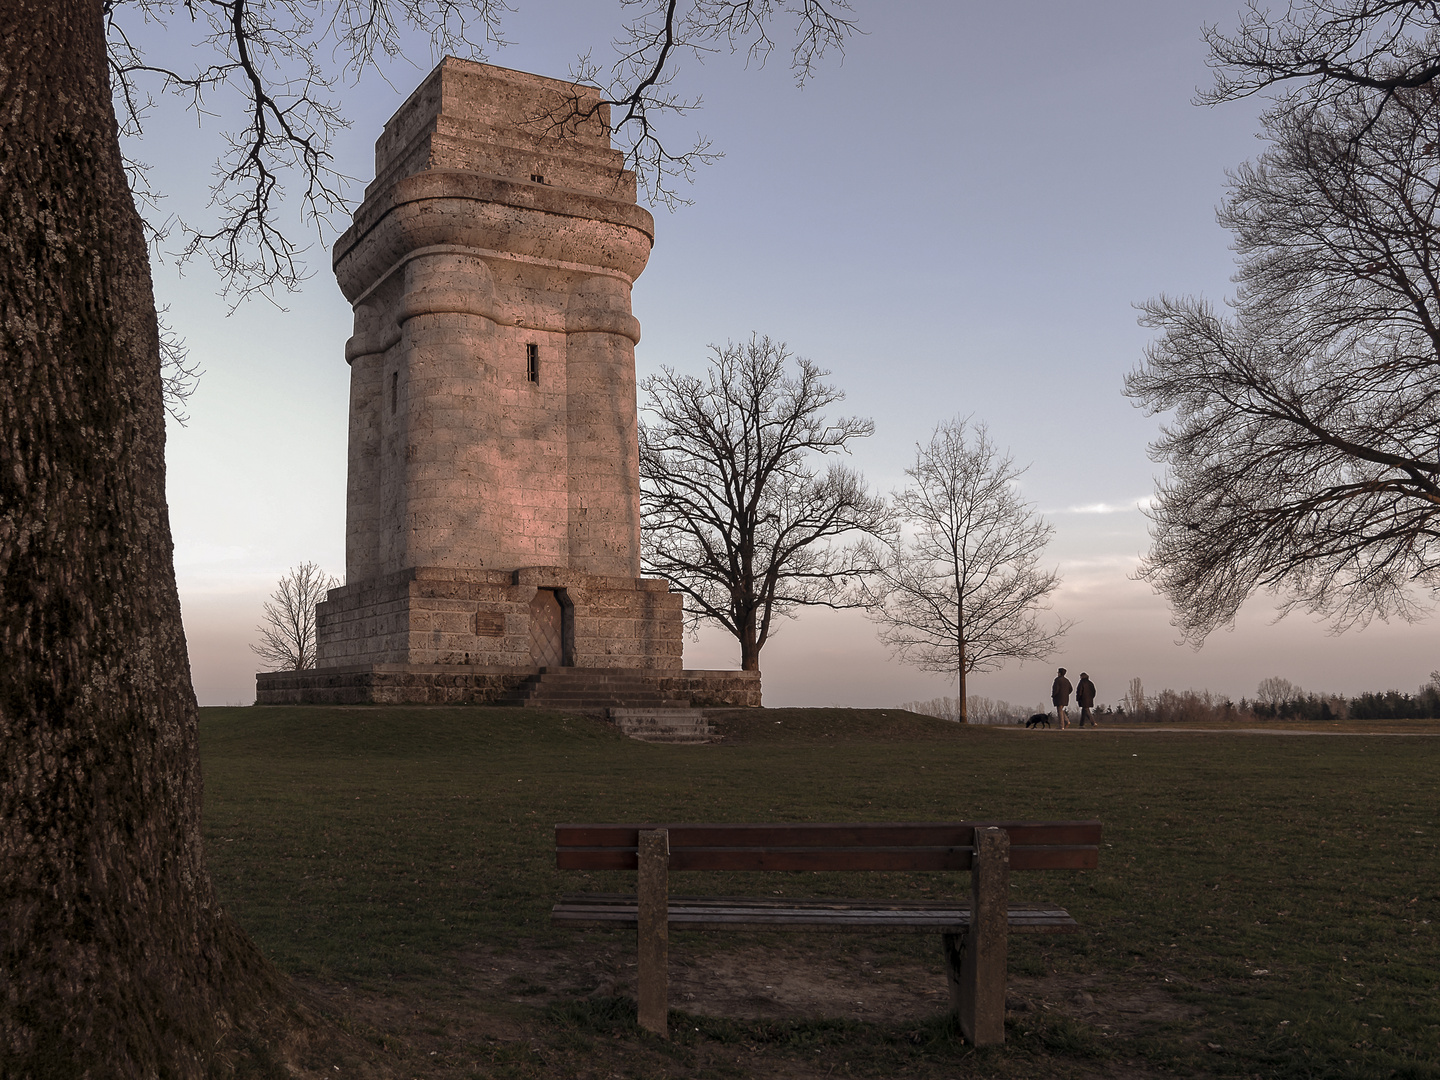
[546,630]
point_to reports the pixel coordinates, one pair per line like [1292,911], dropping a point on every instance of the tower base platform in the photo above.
[582,689]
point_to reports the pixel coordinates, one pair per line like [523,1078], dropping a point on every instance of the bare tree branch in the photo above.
[1320,47]
[178,373]
[647,60]
[264,60]
[1320,52]
[268,56]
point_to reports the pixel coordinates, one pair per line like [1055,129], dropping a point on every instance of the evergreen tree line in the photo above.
[1278,699]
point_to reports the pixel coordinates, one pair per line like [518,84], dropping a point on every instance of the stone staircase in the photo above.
[593,690]
[663,725]
[639,710]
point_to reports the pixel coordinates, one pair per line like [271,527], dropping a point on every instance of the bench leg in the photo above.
[653,941]
[975,964]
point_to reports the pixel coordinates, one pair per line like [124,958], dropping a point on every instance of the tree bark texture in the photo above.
[115,958]
[962,672]
[750,645]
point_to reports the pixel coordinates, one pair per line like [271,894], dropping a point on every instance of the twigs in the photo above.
[264,63]
[646,63]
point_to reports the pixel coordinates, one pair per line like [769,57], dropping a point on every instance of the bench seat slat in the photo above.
[818,859]
[718,913]
[882,834]
[838,903]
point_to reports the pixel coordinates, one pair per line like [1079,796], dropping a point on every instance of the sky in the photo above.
[956,218]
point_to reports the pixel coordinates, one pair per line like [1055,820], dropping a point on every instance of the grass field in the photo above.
[1265,906]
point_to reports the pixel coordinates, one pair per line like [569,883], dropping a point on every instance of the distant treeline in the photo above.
[1424,704]
[1393,705]
[1276,699]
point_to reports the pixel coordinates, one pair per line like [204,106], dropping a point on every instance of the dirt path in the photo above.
[1129,730]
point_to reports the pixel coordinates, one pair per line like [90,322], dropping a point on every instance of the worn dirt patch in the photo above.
[482,1013]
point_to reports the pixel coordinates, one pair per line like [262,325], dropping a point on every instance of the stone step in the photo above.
[598,702]
[571,685]
[650,693]
[612,689]
[632,725]
[568,685]
[672,725]
[626,674]
[638,690]
[593,690]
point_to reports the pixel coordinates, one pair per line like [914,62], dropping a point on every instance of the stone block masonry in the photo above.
[493,417]
[434,615]
[493,499]
[448,684]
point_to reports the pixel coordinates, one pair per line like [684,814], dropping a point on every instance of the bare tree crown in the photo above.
[962,589]
[1303,446]
[739,515]
[287,636]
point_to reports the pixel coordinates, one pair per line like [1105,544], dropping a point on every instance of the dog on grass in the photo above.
[1038,719]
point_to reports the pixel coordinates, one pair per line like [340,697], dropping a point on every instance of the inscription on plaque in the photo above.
[489,624]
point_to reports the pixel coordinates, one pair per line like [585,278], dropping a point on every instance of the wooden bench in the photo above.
[974,936]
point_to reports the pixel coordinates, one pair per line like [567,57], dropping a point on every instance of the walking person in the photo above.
[1085,698]
[1060,694]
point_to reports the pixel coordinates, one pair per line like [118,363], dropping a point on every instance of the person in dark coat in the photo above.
[1060,695]
[1085,698]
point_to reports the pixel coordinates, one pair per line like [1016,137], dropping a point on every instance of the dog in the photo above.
[1038,719]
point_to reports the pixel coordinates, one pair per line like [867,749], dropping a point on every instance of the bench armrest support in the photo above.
[977,988]
[653,936]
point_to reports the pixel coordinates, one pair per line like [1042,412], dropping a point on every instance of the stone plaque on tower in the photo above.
[493,502]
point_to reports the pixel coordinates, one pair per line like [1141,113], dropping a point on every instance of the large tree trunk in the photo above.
[115,959]
[750,643]
[964,690]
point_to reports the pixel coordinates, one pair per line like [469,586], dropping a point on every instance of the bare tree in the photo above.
[287,636]
[1276,692]
[962,589]
[1303,449]
[1135,697]
[738,514]
[142,973]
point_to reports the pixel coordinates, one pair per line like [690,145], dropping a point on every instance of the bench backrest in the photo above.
[1034,845]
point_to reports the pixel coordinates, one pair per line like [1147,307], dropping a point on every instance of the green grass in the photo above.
[372,844]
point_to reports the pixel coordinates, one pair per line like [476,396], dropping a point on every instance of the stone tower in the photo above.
[493,509]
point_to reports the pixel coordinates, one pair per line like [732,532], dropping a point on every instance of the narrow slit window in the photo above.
[394,391]
[532,362]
